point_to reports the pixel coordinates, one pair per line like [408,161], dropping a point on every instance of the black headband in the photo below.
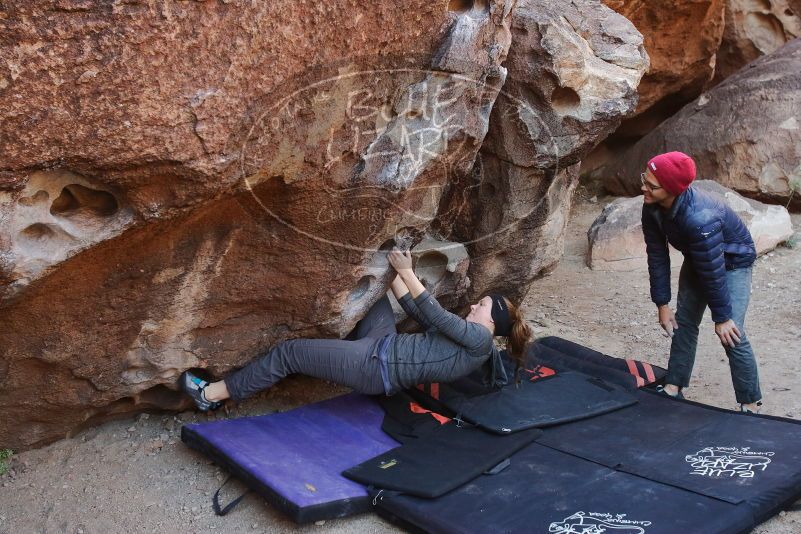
[500,315]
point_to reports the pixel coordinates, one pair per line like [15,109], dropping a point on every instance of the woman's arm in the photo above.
[402,262]
[470,335]
[399,289]
[401,293]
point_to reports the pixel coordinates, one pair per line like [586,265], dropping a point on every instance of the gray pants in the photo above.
[351,362]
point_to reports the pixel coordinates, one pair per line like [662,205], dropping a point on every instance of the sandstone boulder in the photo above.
[744,133]
[693,45]
[682,38]
[573,70]
[754,28]
[615,238]
[616,242]
[179,191]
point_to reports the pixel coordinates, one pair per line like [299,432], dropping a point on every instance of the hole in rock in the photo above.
[362,288]
[463,6]
[564,100]
[406,236]
[460,6]
[380,259]
[431,267]
[38,232]
[157,399]
[75,198]
[764,5]
[388,244]
[160,396]
[39,196]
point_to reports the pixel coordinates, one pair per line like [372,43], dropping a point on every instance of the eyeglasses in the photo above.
[651,187]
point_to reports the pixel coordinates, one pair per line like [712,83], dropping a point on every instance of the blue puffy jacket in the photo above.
[709,234]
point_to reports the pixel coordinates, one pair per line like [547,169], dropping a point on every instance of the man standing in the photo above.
[718,258]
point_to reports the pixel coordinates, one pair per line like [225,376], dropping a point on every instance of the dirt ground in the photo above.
[135,475]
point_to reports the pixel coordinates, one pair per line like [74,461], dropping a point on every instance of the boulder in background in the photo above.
[616,242]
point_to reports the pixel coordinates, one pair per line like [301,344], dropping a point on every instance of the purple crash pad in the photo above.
[294,459]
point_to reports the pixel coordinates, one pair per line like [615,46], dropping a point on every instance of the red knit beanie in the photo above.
[674,170]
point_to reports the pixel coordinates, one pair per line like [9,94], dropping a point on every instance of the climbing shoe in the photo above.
[194,386]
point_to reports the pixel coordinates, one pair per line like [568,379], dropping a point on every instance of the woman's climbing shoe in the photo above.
[662,391]
[194,386]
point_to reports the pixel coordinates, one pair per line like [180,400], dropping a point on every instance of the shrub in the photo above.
[5,456]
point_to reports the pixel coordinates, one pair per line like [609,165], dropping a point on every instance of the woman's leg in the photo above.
[321,358]
[353,364]
[377,322]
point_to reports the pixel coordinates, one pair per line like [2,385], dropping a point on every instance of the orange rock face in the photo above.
[682,38]
[184,186]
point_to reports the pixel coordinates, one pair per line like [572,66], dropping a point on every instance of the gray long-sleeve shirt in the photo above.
[450,348]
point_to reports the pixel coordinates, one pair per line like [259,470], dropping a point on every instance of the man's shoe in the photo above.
[194,386]
[749,410]
[662,391]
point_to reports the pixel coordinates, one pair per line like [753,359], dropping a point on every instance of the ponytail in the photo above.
[518,338]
